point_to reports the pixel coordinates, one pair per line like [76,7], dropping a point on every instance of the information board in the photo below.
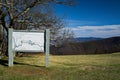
[28,41]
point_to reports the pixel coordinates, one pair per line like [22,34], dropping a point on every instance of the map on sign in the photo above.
[28,41]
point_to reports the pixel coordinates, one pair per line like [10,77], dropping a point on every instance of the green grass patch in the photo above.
[69,67]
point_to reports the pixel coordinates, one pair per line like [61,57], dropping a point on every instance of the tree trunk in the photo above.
[4,37]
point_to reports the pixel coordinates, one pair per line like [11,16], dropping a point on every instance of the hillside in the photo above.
[107,45]
[85,39]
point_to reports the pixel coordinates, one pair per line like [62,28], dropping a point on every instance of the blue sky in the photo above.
[92,18]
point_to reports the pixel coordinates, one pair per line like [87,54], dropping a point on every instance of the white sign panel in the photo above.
[28,41]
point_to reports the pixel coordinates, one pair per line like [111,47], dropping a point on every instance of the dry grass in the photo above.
[70,67]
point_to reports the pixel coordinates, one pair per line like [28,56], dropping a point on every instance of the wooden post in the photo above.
[47,46]
[10,51]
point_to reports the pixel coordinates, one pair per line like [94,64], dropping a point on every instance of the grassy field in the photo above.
[69,67]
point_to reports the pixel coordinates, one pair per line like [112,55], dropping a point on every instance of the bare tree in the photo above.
[63,37]
[28,14]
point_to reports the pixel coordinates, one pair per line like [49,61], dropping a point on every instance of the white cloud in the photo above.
[113,27]
[97,31]
[72,23]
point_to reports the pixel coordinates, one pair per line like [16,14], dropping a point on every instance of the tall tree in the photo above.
[28,14]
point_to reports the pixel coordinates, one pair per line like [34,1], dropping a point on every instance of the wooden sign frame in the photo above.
[46,45]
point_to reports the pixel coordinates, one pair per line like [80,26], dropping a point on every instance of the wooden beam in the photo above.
[47,47]
[10,51]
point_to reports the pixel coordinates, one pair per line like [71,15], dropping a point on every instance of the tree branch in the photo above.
[28,8]
[4,5]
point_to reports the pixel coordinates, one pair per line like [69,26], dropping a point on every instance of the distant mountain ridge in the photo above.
[107,45]
[85,39]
